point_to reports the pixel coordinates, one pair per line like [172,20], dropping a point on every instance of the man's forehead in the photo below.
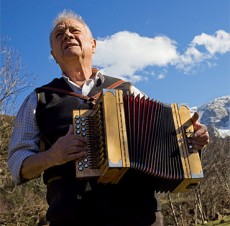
[68,23]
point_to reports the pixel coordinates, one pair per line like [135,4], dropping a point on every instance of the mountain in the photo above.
[216,116]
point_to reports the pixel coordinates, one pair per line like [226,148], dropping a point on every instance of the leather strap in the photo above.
[92,98]
[66,92]
[114,85]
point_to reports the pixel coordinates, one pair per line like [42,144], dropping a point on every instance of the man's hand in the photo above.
[67,148]
[200,137]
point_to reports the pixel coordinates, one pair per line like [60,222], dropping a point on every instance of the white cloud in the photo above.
[161,76]
[124,54]
[218,43]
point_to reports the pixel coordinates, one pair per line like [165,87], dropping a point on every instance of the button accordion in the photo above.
[126,132]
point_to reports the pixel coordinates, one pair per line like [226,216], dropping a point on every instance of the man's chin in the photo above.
[72,54]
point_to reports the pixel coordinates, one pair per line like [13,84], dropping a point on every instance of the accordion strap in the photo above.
[114,85]
[91,98]
[66,92]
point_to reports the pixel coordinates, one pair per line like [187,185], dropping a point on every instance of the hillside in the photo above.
[26,203]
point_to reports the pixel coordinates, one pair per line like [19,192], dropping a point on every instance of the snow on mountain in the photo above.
[216,115]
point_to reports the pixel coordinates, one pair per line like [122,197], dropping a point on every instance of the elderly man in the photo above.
[43,140]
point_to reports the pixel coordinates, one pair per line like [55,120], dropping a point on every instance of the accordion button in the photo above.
[83,134]
[85,160]
[77,117]
[86,165]
[78,131]
[80,163]
[83,119]
[78,126]
[83,129]
[77,121]
[83,123]
[80,168]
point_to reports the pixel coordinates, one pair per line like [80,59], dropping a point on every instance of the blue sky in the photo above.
[173,50]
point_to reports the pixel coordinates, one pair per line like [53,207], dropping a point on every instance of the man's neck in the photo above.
[78,75]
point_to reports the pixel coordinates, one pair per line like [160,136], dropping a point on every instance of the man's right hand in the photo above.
[67,148]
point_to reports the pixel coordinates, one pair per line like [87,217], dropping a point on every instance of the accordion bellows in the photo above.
[125,132]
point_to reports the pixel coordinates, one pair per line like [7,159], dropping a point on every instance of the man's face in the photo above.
[71,40]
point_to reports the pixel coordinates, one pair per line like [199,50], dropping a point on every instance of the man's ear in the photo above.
[51,52]
[94,44]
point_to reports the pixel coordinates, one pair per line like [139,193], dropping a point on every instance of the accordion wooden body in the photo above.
[126,132]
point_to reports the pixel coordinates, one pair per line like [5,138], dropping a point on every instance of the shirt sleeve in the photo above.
[25,137]
[136,92]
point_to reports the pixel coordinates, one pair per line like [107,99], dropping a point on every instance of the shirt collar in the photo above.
[96,79]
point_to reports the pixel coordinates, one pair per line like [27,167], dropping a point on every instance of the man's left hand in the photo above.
[200,137]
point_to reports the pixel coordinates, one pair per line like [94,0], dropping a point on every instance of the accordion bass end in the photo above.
[127,132]
[190,160]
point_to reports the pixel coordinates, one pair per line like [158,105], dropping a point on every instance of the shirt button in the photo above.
[79,197]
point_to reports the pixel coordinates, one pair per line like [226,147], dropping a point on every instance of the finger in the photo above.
[70,151]
[204,137]
[201,143]
[198,147]
[75,150]
[76,156]
[195,117]
[75,144]
[77,140]
[72,136]
[71,130]
[200,131]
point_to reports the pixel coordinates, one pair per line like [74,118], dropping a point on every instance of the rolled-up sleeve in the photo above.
[136,92]
[25,137]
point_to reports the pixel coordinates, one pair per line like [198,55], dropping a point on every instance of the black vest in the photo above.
[54,115]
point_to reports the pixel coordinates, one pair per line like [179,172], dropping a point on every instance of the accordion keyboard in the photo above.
[87,166]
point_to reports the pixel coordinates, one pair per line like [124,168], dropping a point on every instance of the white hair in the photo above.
[65,15]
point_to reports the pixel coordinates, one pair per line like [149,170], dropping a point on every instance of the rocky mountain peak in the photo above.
[216,115]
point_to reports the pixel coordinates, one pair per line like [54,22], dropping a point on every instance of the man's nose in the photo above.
[67,35]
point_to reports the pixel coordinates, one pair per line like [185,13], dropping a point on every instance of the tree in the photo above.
[22,204]
[12,81]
